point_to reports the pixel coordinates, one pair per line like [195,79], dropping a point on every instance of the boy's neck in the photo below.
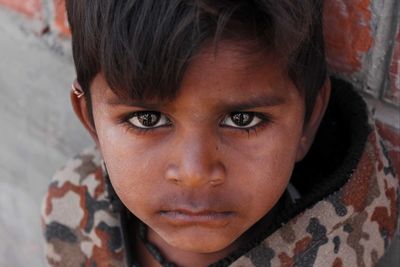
[179,257]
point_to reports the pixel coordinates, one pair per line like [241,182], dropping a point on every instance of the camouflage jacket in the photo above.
[337,224]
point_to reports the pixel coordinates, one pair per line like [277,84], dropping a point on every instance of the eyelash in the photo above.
[130,127]
[265,120]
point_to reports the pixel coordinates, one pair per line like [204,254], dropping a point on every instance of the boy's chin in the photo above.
[199,240]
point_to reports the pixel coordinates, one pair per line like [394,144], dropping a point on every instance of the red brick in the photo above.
[395,158]
[391,137]
[60,18]
[30,8]
[393,92]
[389,133]
[348,34]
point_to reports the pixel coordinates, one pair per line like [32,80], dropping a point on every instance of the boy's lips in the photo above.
[206,218]
[196,209]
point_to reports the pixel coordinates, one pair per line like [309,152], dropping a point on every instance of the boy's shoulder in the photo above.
[78,223]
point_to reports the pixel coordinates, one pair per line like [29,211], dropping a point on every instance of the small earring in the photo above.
[77,90]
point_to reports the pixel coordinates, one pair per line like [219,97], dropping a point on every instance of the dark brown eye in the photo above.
[148,119]
[241,120]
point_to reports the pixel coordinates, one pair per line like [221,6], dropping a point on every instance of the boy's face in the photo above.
[202,169]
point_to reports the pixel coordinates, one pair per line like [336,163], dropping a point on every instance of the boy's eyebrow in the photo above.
[256,101]
[135,103]
[251,102]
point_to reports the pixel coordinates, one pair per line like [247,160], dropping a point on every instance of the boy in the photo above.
[203,113]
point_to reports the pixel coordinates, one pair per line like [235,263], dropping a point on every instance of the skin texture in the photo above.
[200,181]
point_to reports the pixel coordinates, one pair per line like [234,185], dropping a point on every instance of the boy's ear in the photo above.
[80,106]
[311,127]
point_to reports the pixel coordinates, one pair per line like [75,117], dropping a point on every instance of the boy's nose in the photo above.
[196,163]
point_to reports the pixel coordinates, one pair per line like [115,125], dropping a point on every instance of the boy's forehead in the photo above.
[244,57]
[226,67]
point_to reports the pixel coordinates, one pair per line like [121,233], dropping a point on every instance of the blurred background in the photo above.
[39,133]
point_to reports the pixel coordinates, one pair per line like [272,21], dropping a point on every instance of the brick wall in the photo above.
[31,8]
[362,46]
[362,40]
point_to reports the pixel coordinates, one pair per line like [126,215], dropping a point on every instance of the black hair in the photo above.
[143,47]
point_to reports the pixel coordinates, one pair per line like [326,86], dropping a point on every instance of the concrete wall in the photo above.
[39,132]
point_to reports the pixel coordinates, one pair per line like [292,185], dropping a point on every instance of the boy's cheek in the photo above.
[273,150]
[271,153]
[255,180]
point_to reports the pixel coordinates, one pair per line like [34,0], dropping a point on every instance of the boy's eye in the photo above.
[241,120]
[148,119]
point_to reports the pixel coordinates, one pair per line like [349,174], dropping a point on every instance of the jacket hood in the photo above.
[347,214]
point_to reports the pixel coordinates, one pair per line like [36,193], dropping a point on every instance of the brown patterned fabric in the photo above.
[350,227]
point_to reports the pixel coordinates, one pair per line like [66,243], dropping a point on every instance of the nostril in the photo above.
[216,182]
[218,174]
[172,174]
[196,173]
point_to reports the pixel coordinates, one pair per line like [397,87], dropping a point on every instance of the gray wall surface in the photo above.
[38,132]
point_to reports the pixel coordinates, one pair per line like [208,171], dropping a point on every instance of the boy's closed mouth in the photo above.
[207,217]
